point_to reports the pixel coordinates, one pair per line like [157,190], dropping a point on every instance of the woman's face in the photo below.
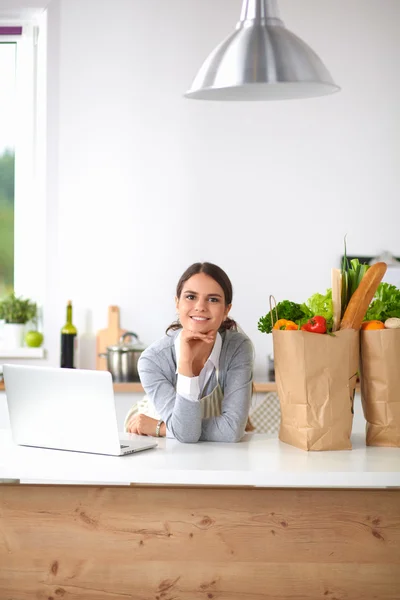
[201,306]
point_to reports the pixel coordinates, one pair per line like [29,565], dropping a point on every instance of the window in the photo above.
[23,130]
[7,155]
[23,149]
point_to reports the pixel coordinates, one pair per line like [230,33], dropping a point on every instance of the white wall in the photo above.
[142,182]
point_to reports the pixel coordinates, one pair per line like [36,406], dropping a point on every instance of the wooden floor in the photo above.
[159,543]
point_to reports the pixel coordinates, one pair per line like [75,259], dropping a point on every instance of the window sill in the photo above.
[22,352]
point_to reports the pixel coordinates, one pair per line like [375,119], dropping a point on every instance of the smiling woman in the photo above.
[198,377]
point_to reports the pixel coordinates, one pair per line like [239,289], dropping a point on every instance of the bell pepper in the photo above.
[315,325]
[285,324]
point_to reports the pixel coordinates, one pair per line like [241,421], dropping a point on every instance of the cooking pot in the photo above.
[122,358]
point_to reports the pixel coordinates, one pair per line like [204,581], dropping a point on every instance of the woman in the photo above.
[199,375]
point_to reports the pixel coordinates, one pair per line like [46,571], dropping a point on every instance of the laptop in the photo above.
[67,409]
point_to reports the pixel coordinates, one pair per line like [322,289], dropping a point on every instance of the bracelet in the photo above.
[158,427]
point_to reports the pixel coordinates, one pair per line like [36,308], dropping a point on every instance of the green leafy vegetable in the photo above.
[286,310]
[321,305]
[317,305]
[386,303]
[352,273]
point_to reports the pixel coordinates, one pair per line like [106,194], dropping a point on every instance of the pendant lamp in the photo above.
[261,60]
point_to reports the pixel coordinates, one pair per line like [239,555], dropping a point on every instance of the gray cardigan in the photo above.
[183,418]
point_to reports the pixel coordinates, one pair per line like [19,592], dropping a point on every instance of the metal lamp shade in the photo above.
[261,60]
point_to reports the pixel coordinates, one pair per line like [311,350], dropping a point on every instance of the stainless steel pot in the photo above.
[122,358]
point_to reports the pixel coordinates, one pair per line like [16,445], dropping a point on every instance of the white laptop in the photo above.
[67,409]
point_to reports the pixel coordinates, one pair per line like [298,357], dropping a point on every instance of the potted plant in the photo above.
[16,312]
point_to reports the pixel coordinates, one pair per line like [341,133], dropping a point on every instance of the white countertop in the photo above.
[259,460]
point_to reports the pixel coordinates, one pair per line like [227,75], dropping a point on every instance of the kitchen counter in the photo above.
[136,387]
[258,520]
[259,460]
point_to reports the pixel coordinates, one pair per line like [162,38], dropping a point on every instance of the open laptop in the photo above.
[67,409]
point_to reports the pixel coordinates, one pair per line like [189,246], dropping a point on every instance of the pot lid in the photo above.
[128,342]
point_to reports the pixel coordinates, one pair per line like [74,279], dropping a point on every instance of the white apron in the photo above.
[211,405]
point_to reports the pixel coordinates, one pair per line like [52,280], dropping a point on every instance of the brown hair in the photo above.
[220,277]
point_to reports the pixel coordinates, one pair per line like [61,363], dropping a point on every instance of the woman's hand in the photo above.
[144,425]
[195,349]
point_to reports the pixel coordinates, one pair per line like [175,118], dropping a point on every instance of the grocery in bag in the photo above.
[380,368]
[316,351]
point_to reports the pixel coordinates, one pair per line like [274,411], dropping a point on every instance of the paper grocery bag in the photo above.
[380,386]
[316,378]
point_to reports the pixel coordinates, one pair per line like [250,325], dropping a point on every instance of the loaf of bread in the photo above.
[361,299]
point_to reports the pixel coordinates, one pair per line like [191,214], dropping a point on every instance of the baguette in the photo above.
[361,299]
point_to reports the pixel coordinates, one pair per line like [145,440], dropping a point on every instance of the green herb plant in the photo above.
[15,309]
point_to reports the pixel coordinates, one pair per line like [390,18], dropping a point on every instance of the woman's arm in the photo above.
[230,426]
[182,416]
[144,425]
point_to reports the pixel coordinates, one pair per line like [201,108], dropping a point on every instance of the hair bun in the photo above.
[228,324]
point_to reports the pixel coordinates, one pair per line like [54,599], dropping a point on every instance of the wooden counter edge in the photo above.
[130,388]
[268,386]
[261,387]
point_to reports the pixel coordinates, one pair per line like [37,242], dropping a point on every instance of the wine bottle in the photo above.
[69,341]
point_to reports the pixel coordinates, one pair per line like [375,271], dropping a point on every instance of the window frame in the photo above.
[29,189]
[11,39]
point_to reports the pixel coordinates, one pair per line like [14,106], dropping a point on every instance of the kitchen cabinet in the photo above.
[257,519]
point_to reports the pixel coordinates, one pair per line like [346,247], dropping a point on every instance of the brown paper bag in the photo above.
[316,378]
[380,386]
